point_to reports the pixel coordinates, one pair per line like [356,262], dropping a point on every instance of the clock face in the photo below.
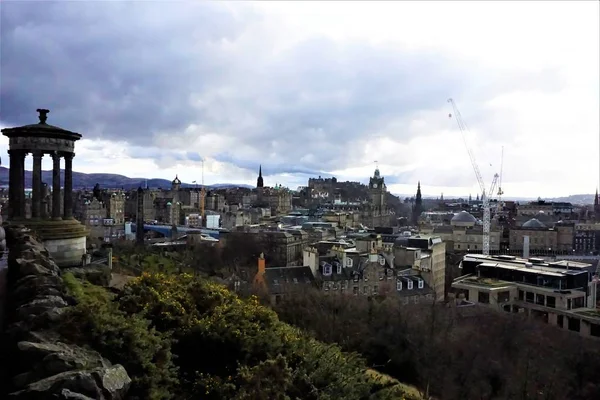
[374,186]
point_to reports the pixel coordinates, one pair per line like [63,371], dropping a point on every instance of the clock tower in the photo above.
[377,190]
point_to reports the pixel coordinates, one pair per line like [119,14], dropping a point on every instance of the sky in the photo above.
[313,89]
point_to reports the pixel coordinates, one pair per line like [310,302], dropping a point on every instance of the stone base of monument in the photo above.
[64,239]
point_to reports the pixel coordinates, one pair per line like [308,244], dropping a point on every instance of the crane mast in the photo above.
[202,197]
[500,191]
[462,126]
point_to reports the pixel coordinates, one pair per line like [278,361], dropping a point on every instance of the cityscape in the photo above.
[270,251]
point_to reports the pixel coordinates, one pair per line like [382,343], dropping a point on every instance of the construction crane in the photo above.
[500,191]
[202,197]
[485,197]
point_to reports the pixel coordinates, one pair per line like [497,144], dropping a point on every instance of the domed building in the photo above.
[534,223]
[541,237]
[465,233]
[463,219]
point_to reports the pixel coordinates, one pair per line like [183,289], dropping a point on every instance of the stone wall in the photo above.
[39,365]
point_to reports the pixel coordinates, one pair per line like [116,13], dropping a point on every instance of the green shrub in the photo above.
[125,339]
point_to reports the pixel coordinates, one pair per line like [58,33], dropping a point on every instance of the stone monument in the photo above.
[63,236]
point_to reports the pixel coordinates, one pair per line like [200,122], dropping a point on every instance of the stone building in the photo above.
[465,233]
[427,255]
[586,238]
[115,205]
[62,235]
[345,271]
[541,237]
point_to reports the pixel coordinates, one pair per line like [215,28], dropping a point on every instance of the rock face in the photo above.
[42,366]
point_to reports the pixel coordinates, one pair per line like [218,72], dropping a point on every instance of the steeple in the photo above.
[418,206]
[596,200]
[259,181]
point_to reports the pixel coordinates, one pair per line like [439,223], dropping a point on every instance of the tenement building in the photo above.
[63,236]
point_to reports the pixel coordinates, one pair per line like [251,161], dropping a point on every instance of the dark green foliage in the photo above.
[125,339]
[182,337]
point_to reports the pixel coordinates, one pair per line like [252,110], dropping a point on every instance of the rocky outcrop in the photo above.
[43,366]
[98,274]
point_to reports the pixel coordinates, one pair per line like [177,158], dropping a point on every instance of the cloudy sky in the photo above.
[311,88]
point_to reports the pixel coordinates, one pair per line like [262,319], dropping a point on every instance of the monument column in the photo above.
[20,179]
[56,186]
[36,182]
[68,195]
[13,186]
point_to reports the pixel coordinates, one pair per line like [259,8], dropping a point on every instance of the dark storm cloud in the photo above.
[120,70]
[133,70]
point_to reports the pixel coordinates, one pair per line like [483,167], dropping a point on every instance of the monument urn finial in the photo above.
[43,115]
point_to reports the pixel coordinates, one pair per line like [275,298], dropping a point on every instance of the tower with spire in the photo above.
[597,206]
[418,205]
[259,181]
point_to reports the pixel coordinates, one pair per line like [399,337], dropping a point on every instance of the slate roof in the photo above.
[277,277]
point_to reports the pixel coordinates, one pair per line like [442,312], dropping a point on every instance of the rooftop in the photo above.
[487,282]
[588,313]
[557,268]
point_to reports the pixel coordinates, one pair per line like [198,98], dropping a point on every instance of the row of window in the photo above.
[343,285]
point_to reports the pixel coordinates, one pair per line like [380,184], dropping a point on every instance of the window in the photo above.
[355,290]
[375,289]
[398,285]
[484,297]
[349,262]
[339,268]
[529,297]
[327,270]
[504,297]
[295,280]
[540,299]
[421,284]
[410,284]
[560,320]
[521,295]
[574,324]
[366,290]
[551,301]
[595,330]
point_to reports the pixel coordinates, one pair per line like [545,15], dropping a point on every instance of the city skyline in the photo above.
[309,89]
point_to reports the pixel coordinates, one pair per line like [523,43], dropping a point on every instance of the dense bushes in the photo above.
[469,354]
[179,336]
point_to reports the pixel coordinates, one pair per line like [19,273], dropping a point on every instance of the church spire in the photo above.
[259,181]
[596,200]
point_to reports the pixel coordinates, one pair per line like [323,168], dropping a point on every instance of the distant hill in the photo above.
[575,199]
[82,180]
